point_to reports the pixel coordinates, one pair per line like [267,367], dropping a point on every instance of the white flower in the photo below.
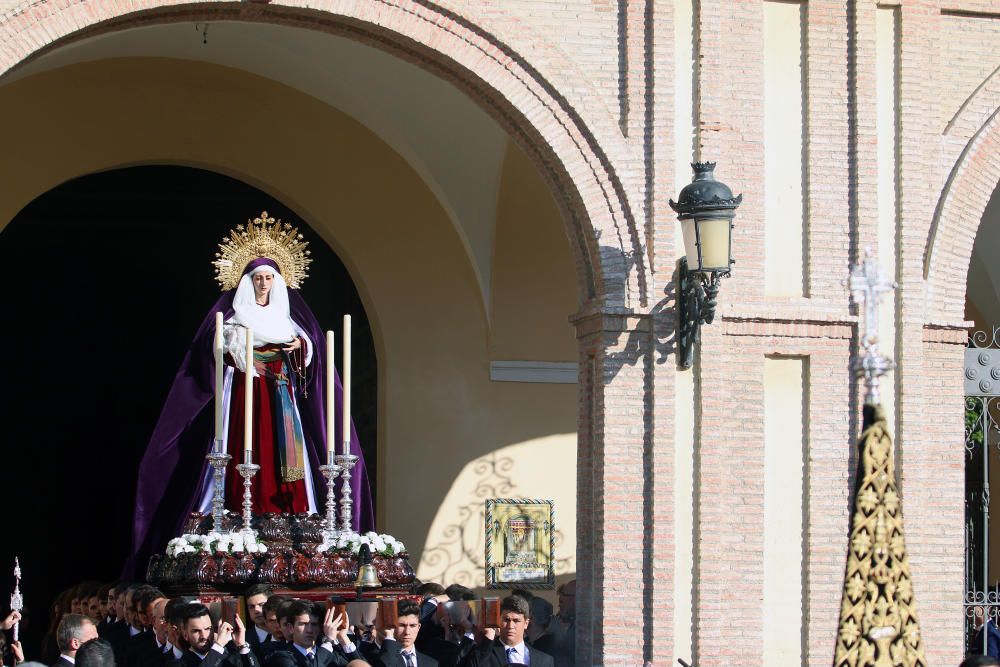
[262,548]
[371,534]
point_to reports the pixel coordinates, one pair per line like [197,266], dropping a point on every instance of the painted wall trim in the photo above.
[552,372]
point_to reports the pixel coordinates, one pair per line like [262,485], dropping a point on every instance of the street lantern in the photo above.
[705,208]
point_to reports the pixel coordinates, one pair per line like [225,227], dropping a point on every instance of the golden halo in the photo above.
[262,237]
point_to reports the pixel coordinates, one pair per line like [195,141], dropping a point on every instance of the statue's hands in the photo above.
[294,345]
[18,652]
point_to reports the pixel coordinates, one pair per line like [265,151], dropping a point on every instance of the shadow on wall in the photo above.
[663,319]
[455,549]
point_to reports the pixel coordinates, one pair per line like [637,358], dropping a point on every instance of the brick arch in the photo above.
[576,159]
[960,208]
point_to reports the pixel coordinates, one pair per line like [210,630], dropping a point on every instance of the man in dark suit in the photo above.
[146,648]
[504,646]
[258,635]
[74,630]
[302,619]
[398,642]
[273,610]
[108,595]
[211,647]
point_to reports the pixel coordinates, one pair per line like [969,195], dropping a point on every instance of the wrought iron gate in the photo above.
[982,454]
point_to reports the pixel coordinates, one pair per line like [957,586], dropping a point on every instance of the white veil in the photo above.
[271,323]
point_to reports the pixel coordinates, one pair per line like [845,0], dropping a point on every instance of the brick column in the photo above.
[616,614]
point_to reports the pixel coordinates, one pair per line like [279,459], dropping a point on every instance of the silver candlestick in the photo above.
[330,472]
[346,462]
[247,469]
[218,459]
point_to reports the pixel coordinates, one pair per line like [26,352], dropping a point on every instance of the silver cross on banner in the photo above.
[867,284]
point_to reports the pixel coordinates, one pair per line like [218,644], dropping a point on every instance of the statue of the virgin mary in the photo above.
[260,268]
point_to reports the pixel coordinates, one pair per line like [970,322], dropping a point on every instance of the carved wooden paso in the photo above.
[878,619]
[292,561]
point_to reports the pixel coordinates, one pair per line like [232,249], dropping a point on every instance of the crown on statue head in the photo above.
[262,237]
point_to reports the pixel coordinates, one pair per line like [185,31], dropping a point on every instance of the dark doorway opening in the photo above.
[110,275]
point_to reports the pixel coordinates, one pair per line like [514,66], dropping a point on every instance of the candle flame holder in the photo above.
[247,470]
[346,463]
[330,472]
[218,459]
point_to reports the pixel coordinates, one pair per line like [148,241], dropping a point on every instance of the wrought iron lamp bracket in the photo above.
[697,298]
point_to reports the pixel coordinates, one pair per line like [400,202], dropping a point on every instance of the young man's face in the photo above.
[304,628]
[120,599]
[512,627]
[407,628]
[273,626]
[255,608]
[94,608]
[199,633]
[129,606]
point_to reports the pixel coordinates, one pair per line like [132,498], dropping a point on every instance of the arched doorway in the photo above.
[239,135]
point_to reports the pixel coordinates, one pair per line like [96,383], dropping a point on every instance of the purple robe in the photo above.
[174,464]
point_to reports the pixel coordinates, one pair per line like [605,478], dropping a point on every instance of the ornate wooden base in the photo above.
[291,562]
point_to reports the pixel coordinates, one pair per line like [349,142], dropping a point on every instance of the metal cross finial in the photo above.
[867,284]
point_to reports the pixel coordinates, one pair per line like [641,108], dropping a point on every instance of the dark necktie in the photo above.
[311,659]
[410,659]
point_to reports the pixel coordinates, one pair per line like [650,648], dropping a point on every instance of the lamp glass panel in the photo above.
[714,243]
[690,245]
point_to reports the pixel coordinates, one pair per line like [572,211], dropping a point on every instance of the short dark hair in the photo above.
[408,608]
[429,588]
[980,661]
[298,608]
[457,592]
[522,593]
[516,604]
[96,653]
[274,603]
[146,597]
[257,589]
[194,610]
[175,609]
[70,627]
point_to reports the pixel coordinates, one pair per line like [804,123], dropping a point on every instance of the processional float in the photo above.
[299,551]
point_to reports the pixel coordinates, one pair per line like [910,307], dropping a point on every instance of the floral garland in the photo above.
[237,543]
[381,544]
[213,542]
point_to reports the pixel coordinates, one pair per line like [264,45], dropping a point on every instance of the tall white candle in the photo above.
[346,369]
[331,402]
[248,401]
[221,446]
